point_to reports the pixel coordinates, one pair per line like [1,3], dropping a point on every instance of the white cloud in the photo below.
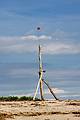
[28,43]
[61,48]
[55,90]
[8,41]
[49,48]
[46,91]
[34,37]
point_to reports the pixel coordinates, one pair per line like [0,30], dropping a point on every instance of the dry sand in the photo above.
[40,110]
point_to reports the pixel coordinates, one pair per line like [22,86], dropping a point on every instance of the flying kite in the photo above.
[38,28]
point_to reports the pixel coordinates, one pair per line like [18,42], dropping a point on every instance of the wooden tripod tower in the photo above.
[41,80]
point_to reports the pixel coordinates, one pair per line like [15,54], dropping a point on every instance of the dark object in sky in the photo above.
[38,28]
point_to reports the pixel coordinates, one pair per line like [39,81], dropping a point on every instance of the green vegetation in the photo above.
[16,98]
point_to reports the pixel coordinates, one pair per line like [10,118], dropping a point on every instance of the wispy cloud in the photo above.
[34,37]
[55,90]
[46,92]
[61,48]
[59,42]
[9,40]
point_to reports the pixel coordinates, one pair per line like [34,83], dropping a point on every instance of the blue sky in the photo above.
[59,36]
[19,17]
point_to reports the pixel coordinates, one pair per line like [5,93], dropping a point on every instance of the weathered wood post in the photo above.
[40,74]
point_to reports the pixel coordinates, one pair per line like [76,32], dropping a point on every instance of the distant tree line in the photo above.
[16,98]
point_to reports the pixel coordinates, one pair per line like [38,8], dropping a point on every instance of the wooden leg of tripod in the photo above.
[50,90]
[41,90]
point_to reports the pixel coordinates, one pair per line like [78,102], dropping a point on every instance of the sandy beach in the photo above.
[40,110]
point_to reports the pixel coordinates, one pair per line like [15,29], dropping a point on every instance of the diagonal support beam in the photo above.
[50,90]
